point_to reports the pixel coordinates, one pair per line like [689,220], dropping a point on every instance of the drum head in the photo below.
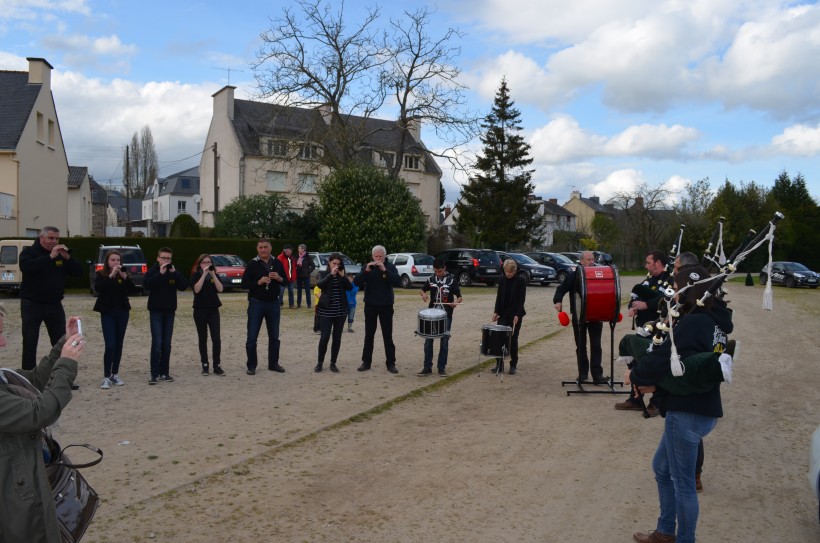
[497,328]
[432,313]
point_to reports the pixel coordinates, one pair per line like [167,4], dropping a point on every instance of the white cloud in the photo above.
[98,118]
[798,140]
[106,53]
[31,9]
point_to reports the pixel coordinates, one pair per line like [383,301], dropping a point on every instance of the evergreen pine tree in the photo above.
[495,209]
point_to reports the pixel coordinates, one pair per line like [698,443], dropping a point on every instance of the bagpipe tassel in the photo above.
[767,292]
[675,363]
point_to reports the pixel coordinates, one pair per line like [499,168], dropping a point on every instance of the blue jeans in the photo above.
[351,313]
[113,325]
[286,285]
[674,466]
[257,312]
[303,283]
[162,330]
[443,350]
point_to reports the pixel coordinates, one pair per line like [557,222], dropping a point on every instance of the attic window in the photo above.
[384,159]
[185,183]
[412,162]
[310,152]
[277,148]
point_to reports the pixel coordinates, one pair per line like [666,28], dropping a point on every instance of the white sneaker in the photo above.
[115,380]
[106,383]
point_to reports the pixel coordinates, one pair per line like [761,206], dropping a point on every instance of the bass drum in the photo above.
[600,292]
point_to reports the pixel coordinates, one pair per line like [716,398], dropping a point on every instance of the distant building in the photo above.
[263,148]
[99,208]
[167,198]
[118,218]
[79,202]
[34,172]
[585,210]
[554,218]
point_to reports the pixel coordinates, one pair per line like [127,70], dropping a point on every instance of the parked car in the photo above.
[601,258]
[133,262]
[562,264]
[791,274]
[531,270]
[574,257]
[320,260]
[229,269]
[814,466]
[472,265]
[10,250]
[414,268]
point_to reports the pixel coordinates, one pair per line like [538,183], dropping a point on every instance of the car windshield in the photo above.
[423,260]
[131,256]
[522,259]
[233,261]
[795,267]
[561,259]
[488,258]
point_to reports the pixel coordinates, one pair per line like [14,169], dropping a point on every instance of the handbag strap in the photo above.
[62,459]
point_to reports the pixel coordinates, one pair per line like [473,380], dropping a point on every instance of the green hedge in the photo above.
[186,250]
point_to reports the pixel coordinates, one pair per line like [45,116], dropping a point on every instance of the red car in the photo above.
[229,269]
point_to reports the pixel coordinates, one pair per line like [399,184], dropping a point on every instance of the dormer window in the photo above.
[276,148]
[310,152]
[412,162]
[383,159]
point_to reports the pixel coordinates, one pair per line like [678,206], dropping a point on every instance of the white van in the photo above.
[10,275]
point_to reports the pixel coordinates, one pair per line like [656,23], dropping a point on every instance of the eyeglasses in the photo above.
[164,258]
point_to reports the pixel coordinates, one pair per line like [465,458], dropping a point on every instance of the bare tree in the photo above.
[141,168]
[645,218]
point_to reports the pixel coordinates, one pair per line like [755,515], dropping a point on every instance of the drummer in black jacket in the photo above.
[163,281]
[582,329]
[444,294]
[509,309]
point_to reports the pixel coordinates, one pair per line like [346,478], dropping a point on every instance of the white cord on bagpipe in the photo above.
[767,292]
[721,256]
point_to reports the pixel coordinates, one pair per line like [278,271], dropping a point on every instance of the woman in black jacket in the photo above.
[509,309]
[688,418]
[112,285]
[207,286]
[332,309]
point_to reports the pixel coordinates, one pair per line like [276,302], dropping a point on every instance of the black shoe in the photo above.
[277,368]
[512,370]
[363,367]
[601,380]
[152,381]
[580,379]
[166,378]
[251,371]
[425,371]
[392,369]
[318,368]
[218,371]
[205,370]
[495,369]
[442,372]
[334,368]
[75,387]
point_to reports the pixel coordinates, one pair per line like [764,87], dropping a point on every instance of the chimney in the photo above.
[639,201]
[595,199]
[575,194]
[39,72]
[414,127]
[223,102]
[447,210]
[553,201]
[327,113]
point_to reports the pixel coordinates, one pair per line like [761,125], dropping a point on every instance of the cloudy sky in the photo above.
[613,93]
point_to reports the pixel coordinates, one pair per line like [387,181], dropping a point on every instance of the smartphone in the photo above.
[79,327]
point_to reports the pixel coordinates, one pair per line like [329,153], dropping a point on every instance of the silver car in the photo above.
[320,260]
[413,268]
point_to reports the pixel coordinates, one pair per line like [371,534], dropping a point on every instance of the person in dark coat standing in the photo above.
[332,309]
[582,329]
[304,268]
[207,286]
[163,281]
[112,285]
[377,279]
[262,278]
[289,265]
[45,266]
[509,309]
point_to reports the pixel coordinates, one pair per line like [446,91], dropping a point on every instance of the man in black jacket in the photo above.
[262,278]
[509,309]
[45,266]
[377,279]
[591,362]
[163,281]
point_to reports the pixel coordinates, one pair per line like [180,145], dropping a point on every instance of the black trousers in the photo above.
[383,315]
[592,362]
[32,315]
[207,318]
[513,340]
[331,326]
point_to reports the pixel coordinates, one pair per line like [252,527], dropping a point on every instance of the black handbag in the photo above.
[74,499]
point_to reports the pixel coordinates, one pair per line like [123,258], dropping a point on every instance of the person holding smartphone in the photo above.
[163,281]
[332,309]
[112,284]
[207,286]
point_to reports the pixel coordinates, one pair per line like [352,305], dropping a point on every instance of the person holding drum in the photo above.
[444,294]
[591,362]
[509,309]
[332,309]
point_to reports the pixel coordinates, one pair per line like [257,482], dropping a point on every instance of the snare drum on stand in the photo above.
[495,343]
[432,323]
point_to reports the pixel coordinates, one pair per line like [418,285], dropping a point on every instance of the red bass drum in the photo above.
[600,292]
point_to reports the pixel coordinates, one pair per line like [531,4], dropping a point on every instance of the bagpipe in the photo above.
[643,291]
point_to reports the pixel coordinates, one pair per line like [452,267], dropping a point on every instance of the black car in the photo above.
[562,264]
[133,263]
[531,270]
[791,274]
[472,265]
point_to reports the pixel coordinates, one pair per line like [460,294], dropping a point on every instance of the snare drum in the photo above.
[495,340]
[432,323]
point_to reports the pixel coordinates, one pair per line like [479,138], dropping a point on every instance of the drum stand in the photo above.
[610,384]
[499,359]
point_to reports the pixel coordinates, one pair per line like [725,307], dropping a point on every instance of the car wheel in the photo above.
[790,282]
[525,275]
[764,278]
[405,281]
[464,279]
[562,276]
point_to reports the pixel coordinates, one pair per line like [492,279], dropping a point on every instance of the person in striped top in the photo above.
[332,309]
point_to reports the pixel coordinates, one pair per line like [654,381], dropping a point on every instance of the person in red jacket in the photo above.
[288,260]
